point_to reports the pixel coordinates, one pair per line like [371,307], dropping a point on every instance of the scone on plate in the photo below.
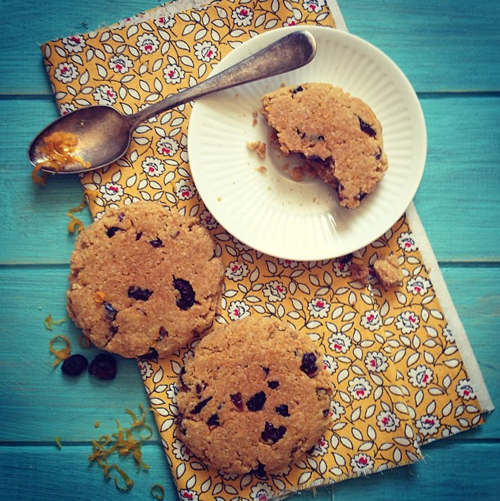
[254,397]
[338,135]
[144,279]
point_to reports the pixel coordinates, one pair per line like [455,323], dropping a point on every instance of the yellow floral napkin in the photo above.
[402,371]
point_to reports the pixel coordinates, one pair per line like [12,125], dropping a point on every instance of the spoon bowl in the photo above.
[104,134]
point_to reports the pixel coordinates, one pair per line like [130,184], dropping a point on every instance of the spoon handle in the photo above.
[286,54]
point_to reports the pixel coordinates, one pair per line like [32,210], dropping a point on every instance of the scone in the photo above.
[144,279]
[254,397]
[338,135]
[388,270]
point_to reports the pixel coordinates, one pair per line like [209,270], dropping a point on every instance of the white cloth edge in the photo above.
[451,314]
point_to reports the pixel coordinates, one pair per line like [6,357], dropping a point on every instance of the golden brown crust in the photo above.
[254,396]
[128,270]
[338,134]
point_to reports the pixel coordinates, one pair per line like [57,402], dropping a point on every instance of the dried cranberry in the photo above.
[199,406]
[138,236]
[187,295]
[162,334]
[138,293]
[366,128]
[237,400]
[152,354]
[74,365]
[273,384]
[256,402]
[156,243]
[282,410]
[259,472]
[309,364]
[297,89]
[213,420]
[112,231]
[109,311]
[103,367]
[273,434]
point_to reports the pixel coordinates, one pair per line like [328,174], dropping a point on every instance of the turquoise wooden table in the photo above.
[450,51]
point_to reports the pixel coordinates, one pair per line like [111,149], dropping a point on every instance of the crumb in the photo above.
[259,147]
[359,273]
[297,174]
[262,169]
[285,167]
[255,114]
[388,271]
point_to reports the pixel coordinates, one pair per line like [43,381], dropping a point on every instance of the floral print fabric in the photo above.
[397,375]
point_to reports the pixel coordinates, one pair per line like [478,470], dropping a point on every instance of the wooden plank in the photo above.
[448,469]
[439,45]
[39,403]
[459,195]
[49,20]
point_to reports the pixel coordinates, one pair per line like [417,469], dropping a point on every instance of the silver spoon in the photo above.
[104,134]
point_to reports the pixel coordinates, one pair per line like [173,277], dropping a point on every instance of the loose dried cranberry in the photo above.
[309,364]
[74,365]
[112,231]
[199,407]
[187,295]
[256,402]
[213,420]
[103,367]
[156,243]
[237,400]
[110,312]
[273,384]
[366,128]
[273,434]
[282,410]
[138,293]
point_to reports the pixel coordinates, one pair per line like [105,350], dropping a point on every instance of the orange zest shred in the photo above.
[129,483]
[78,208]
[60,354]
[38,176]
[59,149]
[49,322]
[123,443]
[158,491]
[58,442]
[75,225]
[99,297]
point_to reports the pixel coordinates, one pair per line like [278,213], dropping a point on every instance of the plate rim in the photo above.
[237,54]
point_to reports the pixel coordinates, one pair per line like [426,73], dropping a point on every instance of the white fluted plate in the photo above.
[304,221]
